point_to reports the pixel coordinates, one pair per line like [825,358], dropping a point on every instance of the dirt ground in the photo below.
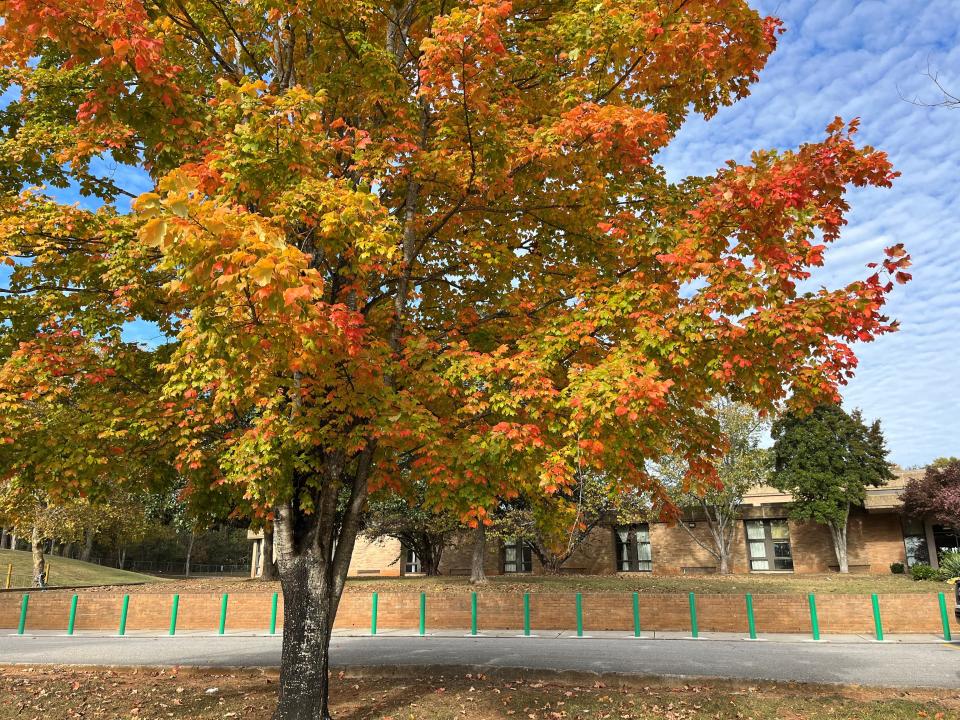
[54,693]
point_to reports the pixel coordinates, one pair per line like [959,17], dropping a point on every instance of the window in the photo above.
[411,563]
[517,557]
[945,539]
[769,544]
[633,548]
[915,542]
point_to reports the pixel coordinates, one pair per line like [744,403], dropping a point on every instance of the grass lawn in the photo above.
[151,695]
[788,584]
[64,571]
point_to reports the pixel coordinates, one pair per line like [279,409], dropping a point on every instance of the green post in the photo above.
[223,613]
[814,622]
[373,614]
[73,615]
[694,629]
[579,615]
[473,613]
[23,614]
[636,614]
[751,623]
[945,619]
[877,622]
[526,614]
[273,615]
[123,615]
[423,613]
[173,614]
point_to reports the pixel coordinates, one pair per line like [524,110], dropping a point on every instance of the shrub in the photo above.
[922,571]
[896,568]
[950,564]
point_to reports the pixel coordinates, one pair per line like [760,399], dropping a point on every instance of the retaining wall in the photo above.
[901,613]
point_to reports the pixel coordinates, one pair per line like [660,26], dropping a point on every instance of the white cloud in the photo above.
[855,58]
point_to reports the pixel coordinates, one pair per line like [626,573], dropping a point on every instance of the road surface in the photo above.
[888,664]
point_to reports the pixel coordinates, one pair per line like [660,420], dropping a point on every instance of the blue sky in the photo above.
[854,58]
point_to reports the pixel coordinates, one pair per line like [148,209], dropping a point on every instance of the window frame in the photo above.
[411,560]
[631,547]
[770,542]
[523,558]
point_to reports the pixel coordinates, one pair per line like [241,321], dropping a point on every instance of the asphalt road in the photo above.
[901,665]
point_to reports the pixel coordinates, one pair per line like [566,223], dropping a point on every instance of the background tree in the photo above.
[826,460]
[936,495]
[391,235]
[743,465]
[408,519]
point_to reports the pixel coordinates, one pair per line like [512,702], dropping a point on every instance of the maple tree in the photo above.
[404,236]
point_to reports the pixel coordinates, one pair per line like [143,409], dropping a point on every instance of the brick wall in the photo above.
[371,557]
[903,613]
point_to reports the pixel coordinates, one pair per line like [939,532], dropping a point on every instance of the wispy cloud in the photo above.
[861,58]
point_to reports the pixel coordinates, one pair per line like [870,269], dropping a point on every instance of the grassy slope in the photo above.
[152,695]
[64,571]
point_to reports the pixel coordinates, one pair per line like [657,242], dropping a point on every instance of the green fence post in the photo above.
[877,622]
[945,619]
[526,614]
[173,614]
[23,614]
[694,628]
[579,615]
[750,621]
[373,614]
[123,615]
[636,614]
[814,622]
[423,613]
[223,613]
[273,615]
[73,615]
[473,613]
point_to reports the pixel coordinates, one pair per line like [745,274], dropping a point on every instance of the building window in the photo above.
[517,557]
[915,542]
[411,563]
[945,539]
[633,548]
[769,544]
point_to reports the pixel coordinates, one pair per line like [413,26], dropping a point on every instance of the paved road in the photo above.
[892,664]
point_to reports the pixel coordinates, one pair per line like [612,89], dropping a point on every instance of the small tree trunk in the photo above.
[266,551]
[186,564]
[431,560]
[38,561]
[122,557]
[13,540]
[68,549]
[87,544]
[725,562]
[839,534]
[3,538]
[477,574]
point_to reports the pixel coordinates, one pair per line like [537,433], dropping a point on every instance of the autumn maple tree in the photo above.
[412,239]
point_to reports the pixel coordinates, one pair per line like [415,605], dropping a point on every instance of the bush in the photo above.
[950,564]
[922,571]
[896,568]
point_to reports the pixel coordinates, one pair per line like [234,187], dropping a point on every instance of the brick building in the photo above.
[765,541]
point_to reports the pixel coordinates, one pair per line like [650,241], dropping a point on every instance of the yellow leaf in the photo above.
[153,232]
[262,273]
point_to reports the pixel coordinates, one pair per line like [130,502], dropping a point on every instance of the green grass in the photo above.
[756,583]
[64,571]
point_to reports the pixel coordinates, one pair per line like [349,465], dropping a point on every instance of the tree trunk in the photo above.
[725,562]
[122,557]
[839,534]
[186,564]
[38,561]
[87,544]
[266,551]
[309,609]
[431,560]
[68,549]
[3,538]
[477,575]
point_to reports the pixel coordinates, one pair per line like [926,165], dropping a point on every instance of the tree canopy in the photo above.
[935,495]
[382,237]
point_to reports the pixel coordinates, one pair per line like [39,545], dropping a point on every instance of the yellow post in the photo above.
[9,574]
[46,574]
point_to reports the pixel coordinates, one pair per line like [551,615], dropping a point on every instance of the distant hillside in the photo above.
[64,571]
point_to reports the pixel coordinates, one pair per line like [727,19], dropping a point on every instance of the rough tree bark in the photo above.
[36,542]
[186,563]
[477,574]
